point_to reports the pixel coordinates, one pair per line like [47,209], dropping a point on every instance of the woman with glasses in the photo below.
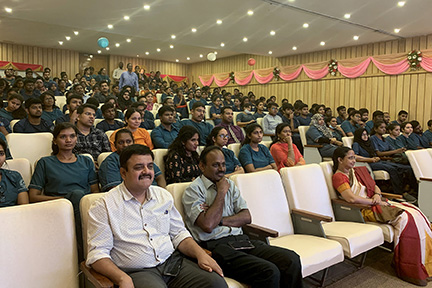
[219,137]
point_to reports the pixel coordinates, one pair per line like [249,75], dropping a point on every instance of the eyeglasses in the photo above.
[222,136]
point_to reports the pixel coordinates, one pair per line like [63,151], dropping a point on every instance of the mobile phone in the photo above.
[241,245]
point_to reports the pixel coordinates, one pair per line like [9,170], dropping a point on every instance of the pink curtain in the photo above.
[205,80]
[179,78]
[314,71]
[354,71]
[244,77]
[392,69]
[287,75]
[264,76]
[426,64]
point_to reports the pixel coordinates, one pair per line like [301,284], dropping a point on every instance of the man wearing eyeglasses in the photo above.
[271,120]
[235,132]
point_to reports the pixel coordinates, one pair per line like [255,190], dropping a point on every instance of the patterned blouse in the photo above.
[179,169]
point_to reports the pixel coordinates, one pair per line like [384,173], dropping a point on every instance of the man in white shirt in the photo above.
[118,71]
[136,235]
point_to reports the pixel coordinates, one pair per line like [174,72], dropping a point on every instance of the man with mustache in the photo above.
[135,233]
[215,213]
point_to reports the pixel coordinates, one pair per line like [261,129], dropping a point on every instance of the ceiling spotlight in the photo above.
[158,49]
[294,48]
[91,56]
[126,18]
[305,25]
[177,60]
[272,33]
[110,26]
[347,16]
[107,48]
[194,30]
[222,44]
[147,7]
[397,30]
[128,40]
[401,3]
[67,38]
[8,10]
[270,52]
[173,36]
[137,55]
[171,46]
[99,51]
[60,42]
[117,44]
[76,33]
[219,21]
[188,58]
[356,37]
[245,39]
[201,55]
[322,43]
[215,52]
[147,53]
[250,12]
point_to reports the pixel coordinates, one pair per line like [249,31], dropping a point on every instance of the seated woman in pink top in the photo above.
[283,150]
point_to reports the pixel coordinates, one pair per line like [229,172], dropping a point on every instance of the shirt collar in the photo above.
[127,196]
[207,182]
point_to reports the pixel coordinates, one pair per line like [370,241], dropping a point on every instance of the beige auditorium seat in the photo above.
[388,230]
[109,133]
[13,122]
[235,117]
[306,189]
[421,163]
[200,149]
[102,157]
[310,152]
[268,205]
[157,122]
[210,122]
[159,98]
[31,146]
[259,121]
[177,190]
[266,143]
[60,101]
[97,121]
[235,147]
[207,112]
[158,158]
[22,165]
[38,246]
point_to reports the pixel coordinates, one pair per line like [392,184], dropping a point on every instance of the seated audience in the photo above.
[181,161]
[235,133]
[50,111]
[328,112]
[342,114]
[271,120]
[255,156]
[34,123]
[73,101]
[109,170]
[412,230]
[364,117]
[104,93]
[124,100]
[13,190]
[197,98]
[133,122]
[237,105]
[164,134]
[376,116]
[428,133]
[382,145]
[180,104]
[89,139]
[147,118]
[402,117]
[393,139]
[259,113]
[304,118]
[283,150]
[407,140]
[245,118]
[29,90]
[336,130]
[118,113]
[109,122]
[417,135]
[219,137]
[14,108]
[215,110]
[319,133]
[197,121]
[350,125]
[227,102]
[386,118]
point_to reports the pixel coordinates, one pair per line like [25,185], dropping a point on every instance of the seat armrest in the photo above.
[253,229]
[345,211]
[391,196]
[425,179]
[313,146]
[315,216]
[97,279]
[354,205]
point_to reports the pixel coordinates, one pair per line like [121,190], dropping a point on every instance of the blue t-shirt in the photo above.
[162,138]
[109,172]
[242,117]
[258,159]
[52,115]
[380,145]
[358,150]
[202,100]
[428,135]
[304,121]
[396,143]
[105,126]
[204,129]
[231,161]
[5,114]
[347,127]
[215,110]
[11,185]
[56,178]
[24,126]
[369,126]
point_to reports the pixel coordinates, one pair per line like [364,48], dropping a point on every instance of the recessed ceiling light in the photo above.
[110,26]
[356,37]
[272,33]
[91,56]
[88,59]
[117,44]
[294,48]
[171,46]
[305,25]
[219,21]
[128,40]
[215,52]
[107,48]
[147,53]
[291,1]
[60,42]
[201,55]
[8,10]
[173,36]
[147,7]
[347,16]
[270,52]
[99,51]
[137,55]
[67,38]
[222,44]
[397,30]
[194,30]
[76,32]
[322,43]
[250,12]
[401,3]
[177,60]
[188,58]
[158,49]
[126,18]
[245,39]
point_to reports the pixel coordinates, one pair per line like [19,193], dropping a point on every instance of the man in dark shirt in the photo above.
[104,92]
[235,132]
[28,91]
[109,122]
[73,101]
[33,123]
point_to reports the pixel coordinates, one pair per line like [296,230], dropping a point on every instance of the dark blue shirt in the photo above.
[258,159]
[231,161]
[204,129]
[24,126]
[105,126]
[162,138]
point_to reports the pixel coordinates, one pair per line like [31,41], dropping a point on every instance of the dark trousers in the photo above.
[263,266]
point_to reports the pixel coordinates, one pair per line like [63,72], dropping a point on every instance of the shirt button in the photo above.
[145,224]
[151,239]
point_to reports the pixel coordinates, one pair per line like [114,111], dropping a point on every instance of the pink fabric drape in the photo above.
[242,78]
[287,76]
[426,64]
[205,81]
[392,69]
[354,71]
[263,76]
[177,78]
[314,72]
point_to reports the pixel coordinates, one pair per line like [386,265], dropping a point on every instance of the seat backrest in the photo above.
[159,97]
[259,121]
[348,141]
[21,165]
[266,200]
[102,157]
[60,101]
[327,168]
[158,158]
[85,205]
[302,131]
[157,122]
[207,112]
[13,122]
[31,146]
[266,143]
[97,121]
[420,161]
[38,245]
[235,147]
[177,190]
[306,189]
[235,117]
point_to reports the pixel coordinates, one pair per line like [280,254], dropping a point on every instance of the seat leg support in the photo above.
[321,281]
[359,264]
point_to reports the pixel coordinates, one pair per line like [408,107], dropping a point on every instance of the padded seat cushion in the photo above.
[315,253]
[234,284]
[381,175]
[355,238]
[387,230]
